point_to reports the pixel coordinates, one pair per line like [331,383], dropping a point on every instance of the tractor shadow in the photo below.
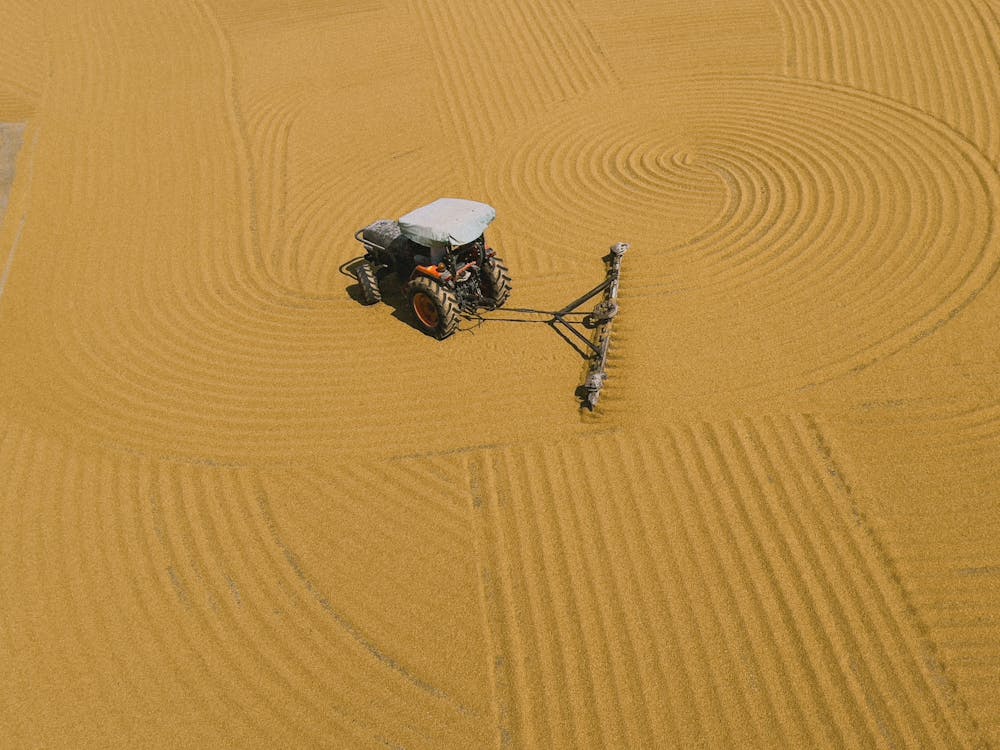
[393,295]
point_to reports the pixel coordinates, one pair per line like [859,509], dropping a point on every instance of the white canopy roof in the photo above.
[453,221]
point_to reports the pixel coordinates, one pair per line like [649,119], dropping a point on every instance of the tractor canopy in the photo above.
[447,221]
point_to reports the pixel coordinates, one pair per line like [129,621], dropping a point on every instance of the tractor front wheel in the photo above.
[434,306]
[370,292]
[496,281]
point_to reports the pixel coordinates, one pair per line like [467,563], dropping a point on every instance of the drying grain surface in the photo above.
[239,509]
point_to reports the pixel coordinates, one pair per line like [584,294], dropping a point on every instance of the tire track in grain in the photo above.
[940,544]
[937,697]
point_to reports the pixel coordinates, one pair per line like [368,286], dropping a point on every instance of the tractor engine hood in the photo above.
[447,221]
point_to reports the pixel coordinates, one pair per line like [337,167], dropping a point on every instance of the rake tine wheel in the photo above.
[596,373]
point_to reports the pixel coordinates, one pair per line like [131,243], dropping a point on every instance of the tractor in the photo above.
[441,255]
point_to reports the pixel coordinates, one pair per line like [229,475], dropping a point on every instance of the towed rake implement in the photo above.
[599,322]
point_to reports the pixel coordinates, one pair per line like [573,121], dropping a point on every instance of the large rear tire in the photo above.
[370,292]
[434,307]
[495,281]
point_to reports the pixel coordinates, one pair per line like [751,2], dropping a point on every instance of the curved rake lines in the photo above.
[119,617]
[570,185]
[813,269]
[308,243]
[266,646]
[301,634]
[197,651]
[232,626]
[269,124]
[205,645]
[404,512]
[827,152]
[409,694]
[331,660]
[141,373]
[68,563]
[132,569]
[316,236]
[93,171]
[986,182]
[260,273]
[212,315]
[169,349]
[69,645]
[321,233]
[765,233]
[959,428]
[981,22]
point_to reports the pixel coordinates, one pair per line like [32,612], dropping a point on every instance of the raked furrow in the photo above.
[716,576]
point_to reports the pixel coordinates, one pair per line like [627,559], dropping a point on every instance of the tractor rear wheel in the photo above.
[370,292]
[434,306]
[496,281]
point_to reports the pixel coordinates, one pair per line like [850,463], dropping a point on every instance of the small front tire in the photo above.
[370,292]
[434,307]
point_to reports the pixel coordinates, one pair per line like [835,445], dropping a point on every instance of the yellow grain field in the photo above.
[239,509]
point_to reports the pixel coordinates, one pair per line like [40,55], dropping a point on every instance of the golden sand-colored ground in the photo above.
[239,509]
